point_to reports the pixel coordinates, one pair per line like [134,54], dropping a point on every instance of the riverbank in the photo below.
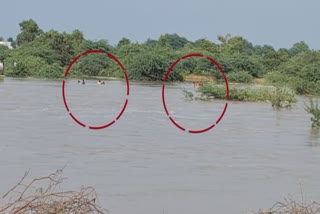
[68,77]
[198,78]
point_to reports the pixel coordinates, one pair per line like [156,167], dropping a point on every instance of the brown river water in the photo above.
[143,164]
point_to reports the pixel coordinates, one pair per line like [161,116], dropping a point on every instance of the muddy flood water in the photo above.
[144,164]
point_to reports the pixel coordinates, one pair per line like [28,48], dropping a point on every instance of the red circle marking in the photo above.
[166,76]
[64,82]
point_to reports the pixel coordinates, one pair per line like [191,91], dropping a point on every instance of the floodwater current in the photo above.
[143,163]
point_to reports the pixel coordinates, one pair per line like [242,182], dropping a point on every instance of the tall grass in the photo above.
[282,97]
[314,109]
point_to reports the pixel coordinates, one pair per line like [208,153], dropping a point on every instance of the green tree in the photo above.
[151,65]
[224,39]
[298,47]
[95,63]
[150,43]
[4,52]
[26,66]
[77,38]
[123,41]
[29,32]
[206,45]
[90,45]
[269,57]
[235,45]
[129,51]
[13,43]
[173,41]
[305,65]
[61,43]
[301,72]
[163,42]
[246,63]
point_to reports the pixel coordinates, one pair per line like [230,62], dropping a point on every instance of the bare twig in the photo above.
[292,207]
[20,199]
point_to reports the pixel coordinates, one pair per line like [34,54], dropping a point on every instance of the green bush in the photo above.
[297,84]
[4,52]
[151,65]
[92,64]
[111,73]
[26,66]
[51,71]
[240,77]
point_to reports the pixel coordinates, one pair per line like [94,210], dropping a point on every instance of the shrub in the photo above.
[282,97]
[152,66]
[92,64]
[51,71]
[187,94]
[117,73]
[26,66]
[240,77]
[314,109]
[297,84]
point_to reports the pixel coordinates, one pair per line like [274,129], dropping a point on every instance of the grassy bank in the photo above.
[198,78]
[88,77]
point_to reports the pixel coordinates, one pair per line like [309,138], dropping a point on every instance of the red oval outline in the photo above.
[227,92]
[64,82]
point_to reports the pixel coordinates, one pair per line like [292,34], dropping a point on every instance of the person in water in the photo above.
[197,85]
[100,82]
[83,82]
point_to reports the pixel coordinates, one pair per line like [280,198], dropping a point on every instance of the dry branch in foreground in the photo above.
[26,198]
[293,207]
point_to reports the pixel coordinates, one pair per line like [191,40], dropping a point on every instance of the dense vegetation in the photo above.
[47,55]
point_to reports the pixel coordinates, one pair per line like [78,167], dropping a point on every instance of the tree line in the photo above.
[47,55]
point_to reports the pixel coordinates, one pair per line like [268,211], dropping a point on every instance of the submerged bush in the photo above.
[282,97]
[187,94]
[314,109]
[279,97]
